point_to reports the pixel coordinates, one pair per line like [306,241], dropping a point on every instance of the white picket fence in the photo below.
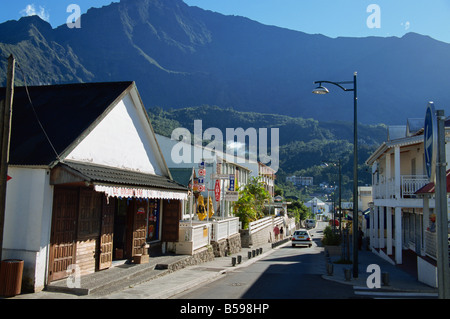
[197,234]
[192,236]
[279,221]
[223,229]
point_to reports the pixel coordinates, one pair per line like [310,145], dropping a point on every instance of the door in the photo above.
[139,227]
[107,233]
[63,232]
[171,220]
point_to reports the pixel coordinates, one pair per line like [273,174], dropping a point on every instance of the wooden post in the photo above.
[6,114]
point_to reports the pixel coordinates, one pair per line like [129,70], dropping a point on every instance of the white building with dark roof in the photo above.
[97,189]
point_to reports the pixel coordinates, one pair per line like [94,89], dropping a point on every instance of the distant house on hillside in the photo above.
[100,191]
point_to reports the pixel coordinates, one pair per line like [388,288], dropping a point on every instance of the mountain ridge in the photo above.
[183,56]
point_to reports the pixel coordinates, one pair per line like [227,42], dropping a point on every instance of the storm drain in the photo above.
[237,284]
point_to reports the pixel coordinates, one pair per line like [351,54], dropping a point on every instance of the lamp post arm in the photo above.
[338,84]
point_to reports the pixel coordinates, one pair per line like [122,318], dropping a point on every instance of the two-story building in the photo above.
[211,174]
[397,224]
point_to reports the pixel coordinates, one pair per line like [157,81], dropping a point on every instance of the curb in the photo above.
[211,278]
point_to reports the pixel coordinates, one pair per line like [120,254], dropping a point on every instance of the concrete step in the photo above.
[119,277]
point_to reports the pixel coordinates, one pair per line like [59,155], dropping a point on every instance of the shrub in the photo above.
[331,238]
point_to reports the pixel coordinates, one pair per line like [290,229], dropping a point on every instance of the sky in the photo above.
[333,18]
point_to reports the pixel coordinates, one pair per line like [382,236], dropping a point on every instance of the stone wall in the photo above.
[200,256]
[231,245]
[259,238]
[245,238]
[263,236]
[219,247]
[234,244]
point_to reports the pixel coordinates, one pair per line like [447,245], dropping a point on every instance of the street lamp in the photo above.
[323,90]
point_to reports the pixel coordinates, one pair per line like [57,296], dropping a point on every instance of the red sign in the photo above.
[201,172]
[217,190]
[8,177]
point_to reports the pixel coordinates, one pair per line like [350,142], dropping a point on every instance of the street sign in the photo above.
[231,196]
[430,141]
[232,180]
[220,176]
[201,172]
[217,191]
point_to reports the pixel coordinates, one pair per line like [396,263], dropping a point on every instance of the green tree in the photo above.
[299,211]
[252,199]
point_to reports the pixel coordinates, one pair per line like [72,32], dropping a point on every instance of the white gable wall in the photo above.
[130,145]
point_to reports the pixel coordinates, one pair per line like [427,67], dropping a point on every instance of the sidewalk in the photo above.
[151,282]
[160,279]
[398,278]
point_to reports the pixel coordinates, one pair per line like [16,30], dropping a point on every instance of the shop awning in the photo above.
[130,192]
[118,182]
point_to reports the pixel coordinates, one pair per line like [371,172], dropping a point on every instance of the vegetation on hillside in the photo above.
[305,144]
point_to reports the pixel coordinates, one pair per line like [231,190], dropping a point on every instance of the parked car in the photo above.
[310,223]
[301,237]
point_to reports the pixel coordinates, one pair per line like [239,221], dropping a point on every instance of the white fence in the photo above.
[197,234]
[259,224]
[288,224]
[192,237]
[222,229]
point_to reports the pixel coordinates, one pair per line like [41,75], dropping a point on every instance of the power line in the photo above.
[35,114]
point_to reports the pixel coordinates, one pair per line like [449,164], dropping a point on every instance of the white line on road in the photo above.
[395,294]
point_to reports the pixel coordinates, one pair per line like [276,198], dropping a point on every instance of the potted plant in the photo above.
[332,241]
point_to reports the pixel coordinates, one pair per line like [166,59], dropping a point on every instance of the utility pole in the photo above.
[441,213]
[5,131]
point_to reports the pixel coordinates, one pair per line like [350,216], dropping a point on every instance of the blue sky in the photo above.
[329,17]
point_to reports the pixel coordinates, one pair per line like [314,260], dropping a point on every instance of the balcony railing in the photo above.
[409,185]
[412,183]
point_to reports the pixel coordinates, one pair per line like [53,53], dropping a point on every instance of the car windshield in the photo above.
[300,233]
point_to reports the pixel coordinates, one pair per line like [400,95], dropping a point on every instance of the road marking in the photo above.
[395,294]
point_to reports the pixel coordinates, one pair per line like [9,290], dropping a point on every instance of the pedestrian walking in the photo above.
[281,232]
[360,239]
[276,231]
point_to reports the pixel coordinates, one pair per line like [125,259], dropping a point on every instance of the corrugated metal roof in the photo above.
[115,176]
[65,112]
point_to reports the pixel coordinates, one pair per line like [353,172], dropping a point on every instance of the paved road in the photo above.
[288,273]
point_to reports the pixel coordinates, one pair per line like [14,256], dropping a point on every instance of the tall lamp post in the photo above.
[323,90]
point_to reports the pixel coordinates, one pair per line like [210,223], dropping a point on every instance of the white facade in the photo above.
[28,218]
[130,141]
[316,205]
[216,164]
[398,219]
